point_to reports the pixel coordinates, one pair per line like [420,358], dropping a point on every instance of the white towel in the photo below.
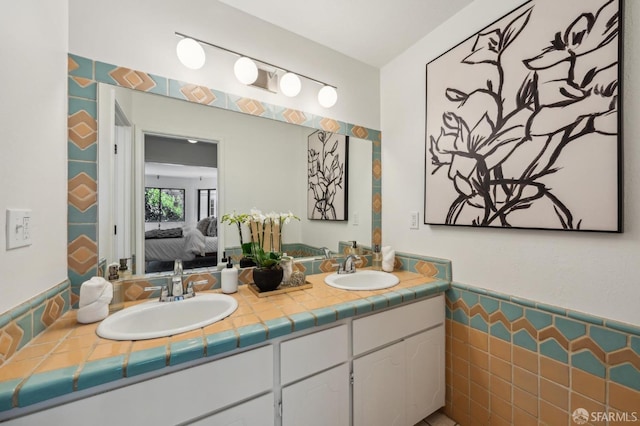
[95,296]
[388,258]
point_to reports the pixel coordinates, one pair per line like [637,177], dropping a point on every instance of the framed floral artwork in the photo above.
[327,160]
[523,125]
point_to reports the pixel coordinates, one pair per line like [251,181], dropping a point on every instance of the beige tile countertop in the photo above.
[69,356]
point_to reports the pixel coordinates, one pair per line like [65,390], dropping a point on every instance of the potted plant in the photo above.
[239,219]
[267,275]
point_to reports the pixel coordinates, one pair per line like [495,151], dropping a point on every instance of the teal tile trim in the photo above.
[511,310]
[378,301]
[626,375]
[278,327]
[221,342]
[7,390]
[460,316]
[251,334]
[479,323]
[538,319]
[43,386]
[570,329]
[586,361]
[623,327]
[325,315]
[490,305]
[500,331]
[345,310]
[407,294]
[363,306]
[84,67]
[95,373]
[523,339]
[585,317]
[186,350]
[635,344]
[141,362]
[302,321]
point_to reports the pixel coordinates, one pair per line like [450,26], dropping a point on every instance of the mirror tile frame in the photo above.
[82,157]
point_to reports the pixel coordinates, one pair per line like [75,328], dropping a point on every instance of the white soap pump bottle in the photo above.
[229,278]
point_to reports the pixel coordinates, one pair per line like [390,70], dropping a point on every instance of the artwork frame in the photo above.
[531,137]
[327,176]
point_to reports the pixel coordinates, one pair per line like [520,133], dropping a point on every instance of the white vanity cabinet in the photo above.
[259,411]
[399,382]
[314,374]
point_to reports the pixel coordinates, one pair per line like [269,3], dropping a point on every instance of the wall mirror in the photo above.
[259,163]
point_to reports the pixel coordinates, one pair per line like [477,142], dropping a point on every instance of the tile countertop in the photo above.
[70,357]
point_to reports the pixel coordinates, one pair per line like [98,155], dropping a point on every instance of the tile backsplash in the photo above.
[515,361]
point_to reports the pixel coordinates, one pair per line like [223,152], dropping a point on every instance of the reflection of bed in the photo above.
[162,248]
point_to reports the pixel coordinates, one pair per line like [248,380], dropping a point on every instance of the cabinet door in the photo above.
[320,400]
[425,373]
[379,382]
[256,412]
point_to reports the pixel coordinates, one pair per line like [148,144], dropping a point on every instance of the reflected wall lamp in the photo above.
[191,53]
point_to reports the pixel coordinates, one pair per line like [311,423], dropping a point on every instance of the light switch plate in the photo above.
[18,228]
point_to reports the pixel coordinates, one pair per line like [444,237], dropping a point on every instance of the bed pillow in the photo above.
[212,230]
[203,225]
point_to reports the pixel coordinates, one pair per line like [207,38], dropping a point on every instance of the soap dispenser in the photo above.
[229,278]
[353,248]
[377,258]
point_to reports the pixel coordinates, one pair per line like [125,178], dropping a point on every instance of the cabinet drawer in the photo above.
[307,355]
[380,329]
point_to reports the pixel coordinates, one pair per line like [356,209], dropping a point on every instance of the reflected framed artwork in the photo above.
[523,124]
[327,162]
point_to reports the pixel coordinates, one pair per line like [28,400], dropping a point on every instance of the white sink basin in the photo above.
[362,280]
[160,319]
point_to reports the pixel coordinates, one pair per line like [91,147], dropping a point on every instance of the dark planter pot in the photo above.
[246,262]
[267,279]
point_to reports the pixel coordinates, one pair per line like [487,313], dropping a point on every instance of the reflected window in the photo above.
[206,203]
[163,205]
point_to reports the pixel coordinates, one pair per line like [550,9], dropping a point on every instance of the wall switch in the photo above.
[18,228]
[413,220]
[355,219]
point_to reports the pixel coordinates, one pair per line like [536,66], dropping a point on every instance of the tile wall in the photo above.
[513,361]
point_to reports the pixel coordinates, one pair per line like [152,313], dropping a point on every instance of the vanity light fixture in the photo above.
[248,71]
[192,141]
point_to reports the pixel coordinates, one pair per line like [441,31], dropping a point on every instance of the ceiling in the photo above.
[371,31]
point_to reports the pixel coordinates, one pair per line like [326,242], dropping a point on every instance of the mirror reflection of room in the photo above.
[181,179]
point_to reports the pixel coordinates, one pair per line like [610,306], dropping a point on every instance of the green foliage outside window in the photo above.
[163,205]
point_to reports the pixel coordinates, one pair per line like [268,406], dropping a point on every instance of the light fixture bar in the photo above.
[255,59]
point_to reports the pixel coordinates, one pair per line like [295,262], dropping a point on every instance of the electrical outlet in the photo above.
[413,220]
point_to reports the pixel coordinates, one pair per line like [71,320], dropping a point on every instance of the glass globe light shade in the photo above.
[327,96]
[290,84]
[190,53]
[246,70]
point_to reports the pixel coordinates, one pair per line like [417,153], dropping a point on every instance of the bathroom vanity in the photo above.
[378,368]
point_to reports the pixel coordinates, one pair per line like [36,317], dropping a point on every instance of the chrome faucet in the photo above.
[327,252]
[349,264]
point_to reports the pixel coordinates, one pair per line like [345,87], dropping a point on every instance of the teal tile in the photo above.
[378,301]
[302,321]
[586,361]
[538,319]
[87,91]
[278,327]
[324,315]
[83,68]
[251,334]
[552,349]
[580,316]
[447,313]
[523,302]
[90,215]
[511,311]
[469,298]
[489,304]
[407,294]
[570,329]
[460,316]
[20,310]
[345,310]
[89,106]
[623,327]
[99,372]
[141,362]
[103,75]
[186,350]
[75,153]
[175,91]
[607,339]
[479,323]
[43,386]
[7,390]
[453,294]
[553,309]
[26,325]
[497,295]
[523,339]
[626,375]
[38,325]
[500,331]
[221,342]
[5,319]
[635,344]
[393,298]
[77,230]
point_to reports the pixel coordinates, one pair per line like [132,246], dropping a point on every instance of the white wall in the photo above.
[588,272]
[140,35]
[33,47]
